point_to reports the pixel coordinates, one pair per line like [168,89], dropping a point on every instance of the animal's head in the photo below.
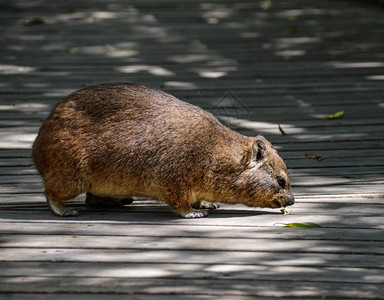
[264,180]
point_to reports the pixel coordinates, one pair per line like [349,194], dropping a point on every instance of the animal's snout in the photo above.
[283,201]
[287,200]
[291,201]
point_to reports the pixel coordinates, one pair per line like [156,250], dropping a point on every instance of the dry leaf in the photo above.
[282,130]
[34,21]
[313,156]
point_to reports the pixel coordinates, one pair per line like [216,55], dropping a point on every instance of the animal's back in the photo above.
[127,104]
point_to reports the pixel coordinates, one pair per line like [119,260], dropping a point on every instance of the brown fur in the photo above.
[121,140]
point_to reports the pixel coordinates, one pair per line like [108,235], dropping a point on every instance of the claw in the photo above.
[195,214]
[71,213]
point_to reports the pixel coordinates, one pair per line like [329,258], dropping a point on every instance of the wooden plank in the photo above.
[210,287]
[244,125]
[112,296]
[15,161]
[338,206]
[25,198]
[179,230]
[374,188]
[159,216]
[13,171]
[153,257]
[266,70]
[303,79]
[190,271]
[188,243]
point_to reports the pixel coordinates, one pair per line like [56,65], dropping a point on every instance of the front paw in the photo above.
[68,213]
[194,214]
[206,205]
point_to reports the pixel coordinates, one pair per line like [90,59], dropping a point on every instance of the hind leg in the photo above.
[59,209]
[56,195]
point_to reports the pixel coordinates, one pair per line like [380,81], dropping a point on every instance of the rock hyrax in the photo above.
[114,141]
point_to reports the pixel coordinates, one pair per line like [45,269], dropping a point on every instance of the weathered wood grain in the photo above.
[292,63]
[208,287]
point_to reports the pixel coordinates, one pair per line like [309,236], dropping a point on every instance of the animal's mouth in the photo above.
[283,201]
[276,203]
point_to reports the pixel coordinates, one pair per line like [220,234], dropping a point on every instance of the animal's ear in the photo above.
[259,149]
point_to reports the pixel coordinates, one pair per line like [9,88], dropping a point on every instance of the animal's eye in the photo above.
[281,181]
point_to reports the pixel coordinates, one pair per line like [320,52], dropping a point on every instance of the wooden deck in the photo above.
[292,63]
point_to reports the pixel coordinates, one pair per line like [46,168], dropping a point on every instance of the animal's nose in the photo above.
[291,201]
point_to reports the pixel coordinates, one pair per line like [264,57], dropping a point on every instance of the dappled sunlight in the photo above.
[330,136]
[24,107]
[212,74]
[127,14]
[376,77]
[137,271]
[44,84]
[109,51]
[191,58]
[158,33]
[213,15]
[283,43]
[57,93]
[302,12]
[290,53]
[154,70]
[13,69]
[16,141]
[215,68]
[356,65]
[179,85]
[260,127]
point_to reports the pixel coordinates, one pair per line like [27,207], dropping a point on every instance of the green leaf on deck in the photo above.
[285,211]
[336,115]
[112,49]
[301,225]
[73,50]
[313,156]
[282,131]
[266,4]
